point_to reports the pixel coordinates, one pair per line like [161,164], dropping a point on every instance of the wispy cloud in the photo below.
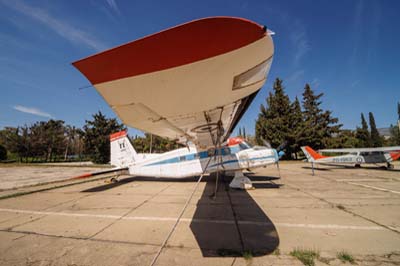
[315,82]
[298,37]
[365,32]
[60,27]
[357,29]
[31,110]
[113,6]
[295,76]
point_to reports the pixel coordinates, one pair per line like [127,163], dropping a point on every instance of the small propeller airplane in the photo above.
[354,156]
[191,83]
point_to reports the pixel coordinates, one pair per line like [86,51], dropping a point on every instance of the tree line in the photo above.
[279,120]
[306,123]
[53,140]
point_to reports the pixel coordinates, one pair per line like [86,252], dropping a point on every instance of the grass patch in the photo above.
[325,260]
[276,252]
[306,256]
[345,256]
[247,255]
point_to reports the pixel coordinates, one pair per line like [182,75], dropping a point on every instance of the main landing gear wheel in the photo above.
[390,166]
[112,180]
[357,165]
[240,181]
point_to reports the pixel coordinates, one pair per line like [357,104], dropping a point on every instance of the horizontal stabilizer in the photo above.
[311,154]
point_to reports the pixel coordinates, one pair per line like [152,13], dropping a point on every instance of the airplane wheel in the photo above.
[390,166]
[113,180]
[357,165]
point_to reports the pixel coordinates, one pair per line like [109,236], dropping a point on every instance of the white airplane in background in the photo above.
[354,156]
[191,83]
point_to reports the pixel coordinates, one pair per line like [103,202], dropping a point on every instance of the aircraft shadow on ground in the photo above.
[127,180]
[316,168]
[214,227]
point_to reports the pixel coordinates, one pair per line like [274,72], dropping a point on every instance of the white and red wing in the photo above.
[180,82]
[353,150]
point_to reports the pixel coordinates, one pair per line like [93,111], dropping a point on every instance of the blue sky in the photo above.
[349,50]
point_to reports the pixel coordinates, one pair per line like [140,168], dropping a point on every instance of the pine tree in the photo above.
[362,134]
[96,136]
[376,139]
[273,121]
[319,125]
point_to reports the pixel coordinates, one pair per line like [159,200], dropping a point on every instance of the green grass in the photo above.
[277,252]
[345,256]
[247,255]
[306,256]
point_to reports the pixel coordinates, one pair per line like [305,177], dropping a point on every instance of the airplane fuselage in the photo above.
[362,156]
[186,162]
[359,158]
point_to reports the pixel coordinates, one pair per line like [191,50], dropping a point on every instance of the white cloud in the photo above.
[315,82]
[113,6]
[298,37]
[62,28]
[295,76]
[31,110]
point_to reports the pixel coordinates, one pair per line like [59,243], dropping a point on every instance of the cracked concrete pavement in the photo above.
[124,223]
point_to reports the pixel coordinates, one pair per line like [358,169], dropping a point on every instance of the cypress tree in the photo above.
[240,131]
[244,132]
[319,125]
[376,139]
[296,127]
[362,134]
[395,130]
[273,121]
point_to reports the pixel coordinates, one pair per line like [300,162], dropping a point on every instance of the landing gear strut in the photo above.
[390,166]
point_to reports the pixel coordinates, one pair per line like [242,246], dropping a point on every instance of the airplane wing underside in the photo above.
[188,83]
[354,150]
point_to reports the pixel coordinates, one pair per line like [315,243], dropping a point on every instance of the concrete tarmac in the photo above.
[125,223]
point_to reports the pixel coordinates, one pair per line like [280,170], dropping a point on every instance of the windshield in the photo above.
[244,145]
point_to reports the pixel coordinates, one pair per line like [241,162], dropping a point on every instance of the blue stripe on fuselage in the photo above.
[193,156]
[251,159]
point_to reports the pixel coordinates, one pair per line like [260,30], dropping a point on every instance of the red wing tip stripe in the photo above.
[173,47]
[117,135]
[83,176]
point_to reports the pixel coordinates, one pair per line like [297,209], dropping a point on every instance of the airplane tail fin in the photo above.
[122,152]
[311,154]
